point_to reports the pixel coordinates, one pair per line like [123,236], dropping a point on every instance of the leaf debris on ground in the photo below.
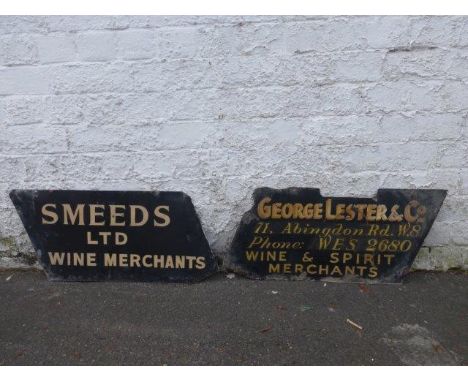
[267,329]
[354,324]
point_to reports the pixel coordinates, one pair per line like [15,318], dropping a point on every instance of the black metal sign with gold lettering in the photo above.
[298,233]
[115,235]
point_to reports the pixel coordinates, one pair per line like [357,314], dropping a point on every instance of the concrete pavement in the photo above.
[235,321]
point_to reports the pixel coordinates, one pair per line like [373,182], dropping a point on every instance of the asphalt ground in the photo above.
[234,321]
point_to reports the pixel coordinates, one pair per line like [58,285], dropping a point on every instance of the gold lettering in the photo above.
[180,262]
[409,217]
[114,215]
[89,239]
[274,268]
[162,212]
[121,238]
[190,260]
[372,272]
[50,214]
[308,211]
[340,209]
[134,260]
[298,208]
[264,212]
[350,213]
[105,237]
[318,211]
[91,259]
[93,213]
[56,258]
[328,209]
[371,212]
[110,259]
[276,211]
[381,213]
[123,260]
[256,241]
[145,262]
[394,215]
[287,211]
[169,262]
[68,213]
[360,211]
[133,216]
[200,263]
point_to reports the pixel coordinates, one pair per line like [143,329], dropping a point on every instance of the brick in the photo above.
[464,180]
[341,130]
[21,110]
[11,227]
[63,110]
[90,78]
[33,139]
[429,63]
[441,258]
[12,167]
[454,95]
[154,137]
[218,105]
[463,33]
[22,24]
[17,49]
[361,66]
[175,75]
[96,46]
[425,127]
[386,157]
[25,80]
[85,23]
[56,47]
[136,44]
[440,31]
[387,32]
[405,95]
[454,210]
[447,179]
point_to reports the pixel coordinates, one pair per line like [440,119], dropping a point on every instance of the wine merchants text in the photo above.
[90,259]
[297,233]
[116,235]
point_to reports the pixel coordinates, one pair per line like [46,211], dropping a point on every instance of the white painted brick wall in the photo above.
[217,106]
